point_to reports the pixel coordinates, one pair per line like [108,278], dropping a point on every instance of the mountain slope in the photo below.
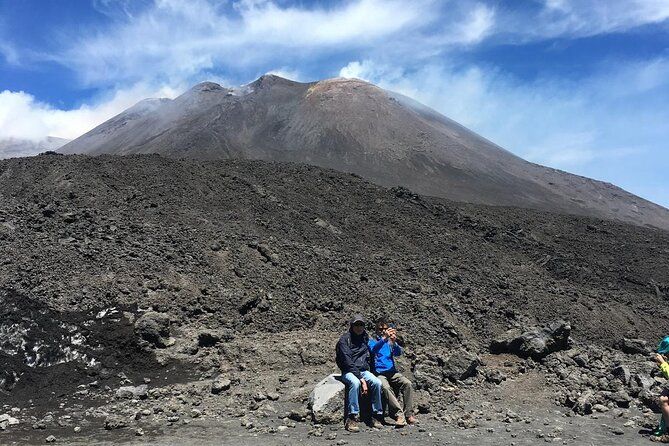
[255,267]
[353,126]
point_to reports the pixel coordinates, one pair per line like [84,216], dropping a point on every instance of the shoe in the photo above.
[412,420]
[351,425]
[376,423]
[400,421]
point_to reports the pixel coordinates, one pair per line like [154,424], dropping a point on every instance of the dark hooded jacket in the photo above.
[353,353]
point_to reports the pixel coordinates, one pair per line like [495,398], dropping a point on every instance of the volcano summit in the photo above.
[353,126]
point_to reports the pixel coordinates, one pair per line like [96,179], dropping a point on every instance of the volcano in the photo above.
[353,126]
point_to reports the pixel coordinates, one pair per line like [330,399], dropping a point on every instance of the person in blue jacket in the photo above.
[385,348]
[354,361]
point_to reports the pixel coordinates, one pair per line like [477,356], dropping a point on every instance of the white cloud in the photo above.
[478,25]
[23,117]
[9,53]
[174,40]
[583,18]
[288,73]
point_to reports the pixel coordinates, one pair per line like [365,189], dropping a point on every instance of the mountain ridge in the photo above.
[354,126]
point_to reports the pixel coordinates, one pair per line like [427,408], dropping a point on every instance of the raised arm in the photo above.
[664,366]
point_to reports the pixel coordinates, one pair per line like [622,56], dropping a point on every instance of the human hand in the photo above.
[363,383]
[659,359]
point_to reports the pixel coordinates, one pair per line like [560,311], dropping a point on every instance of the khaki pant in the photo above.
[392,385]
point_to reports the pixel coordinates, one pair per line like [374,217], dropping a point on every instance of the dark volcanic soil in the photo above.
[258,265]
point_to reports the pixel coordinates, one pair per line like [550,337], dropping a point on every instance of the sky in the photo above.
[578,85]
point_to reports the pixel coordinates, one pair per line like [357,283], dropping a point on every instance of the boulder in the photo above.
[326,401]
[535,342]
[113,422]
[133,392]
[494,376]
[643,381]
[208,339]
[635,346]
[154,328]
[650,399]
[584,404]
[6,421]
[622,372]
[460,365]
[427,375]
[620,398]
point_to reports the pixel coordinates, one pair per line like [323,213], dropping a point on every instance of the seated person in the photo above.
[384,348]
[354,361]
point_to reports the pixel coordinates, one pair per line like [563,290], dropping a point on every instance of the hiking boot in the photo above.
[376,422]
[351,425]
[400,421]
[412,420]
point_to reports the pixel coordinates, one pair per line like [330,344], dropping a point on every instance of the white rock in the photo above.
[326,401]
[130,392]
[7,420]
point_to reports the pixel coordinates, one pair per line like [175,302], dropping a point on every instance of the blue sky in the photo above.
[580,85]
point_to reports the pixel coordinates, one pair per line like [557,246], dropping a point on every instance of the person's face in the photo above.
[381,328]
[358,328]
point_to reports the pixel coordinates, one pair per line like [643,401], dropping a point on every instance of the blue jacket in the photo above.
[383,355]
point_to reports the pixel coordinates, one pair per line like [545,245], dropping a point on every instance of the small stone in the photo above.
[139,432]
[50,439]
[220,384]
[600,408]
[112,422]
[130,392]
[195,413]
[77,429]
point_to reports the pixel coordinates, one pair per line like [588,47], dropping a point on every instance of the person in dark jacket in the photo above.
[353,359]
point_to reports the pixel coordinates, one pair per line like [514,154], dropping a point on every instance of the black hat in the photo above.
[357,318]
